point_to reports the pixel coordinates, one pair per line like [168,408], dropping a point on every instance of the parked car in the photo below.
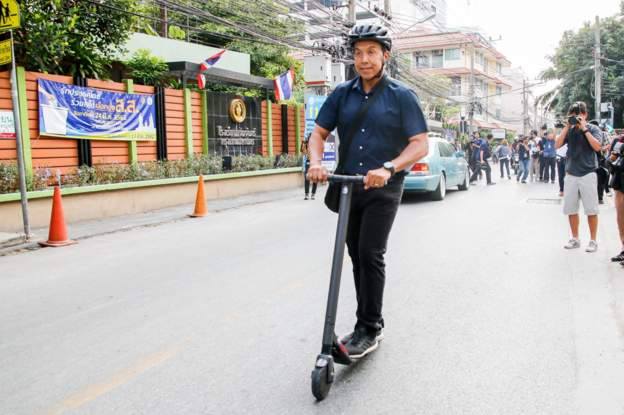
[439,170]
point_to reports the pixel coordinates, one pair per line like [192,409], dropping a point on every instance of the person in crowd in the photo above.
[523,159]
[475,148]
[602,172]
[549,157]
[534,163]
[503,152]
[539,141]
[484,153]
[306,167]
[580,180]
[615,153]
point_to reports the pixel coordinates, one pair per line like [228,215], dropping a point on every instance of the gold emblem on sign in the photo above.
[238,111]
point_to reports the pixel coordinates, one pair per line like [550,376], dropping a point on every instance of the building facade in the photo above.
[473,67]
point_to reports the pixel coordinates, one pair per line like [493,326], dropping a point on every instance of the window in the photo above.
[456,86]
[499,68]
[479,58]
[498,114]
[451,54]
[437,60]
[420,60]
[499,91]
[445,149]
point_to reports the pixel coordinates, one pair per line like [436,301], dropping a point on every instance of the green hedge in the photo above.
[152,170]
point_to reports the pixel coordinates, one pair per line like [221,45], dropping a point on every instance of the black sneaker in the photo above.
[618,258]
[379,336]
[361,343]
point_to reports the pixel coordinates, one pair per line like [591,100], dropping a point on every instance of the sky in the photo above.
[529,29]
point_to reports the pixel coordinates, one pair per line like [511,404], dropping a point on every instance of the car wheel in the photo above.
[440,192]
[466,184]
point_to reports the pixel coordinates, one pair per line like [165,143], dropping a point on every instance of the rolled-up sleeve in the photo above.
[412,118]
[327,117]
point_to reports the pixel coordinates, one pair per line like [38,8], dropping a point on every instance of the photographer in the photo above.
[580,182]
[616,164]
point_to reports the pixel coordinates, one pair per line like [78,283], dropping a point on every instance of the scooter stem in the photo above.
[346,191]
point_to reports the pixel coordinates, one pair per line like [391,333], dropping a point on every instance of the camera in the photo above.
[574,119]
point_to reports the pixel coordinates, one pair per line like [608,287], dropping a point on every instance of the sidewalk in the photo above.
[12,243]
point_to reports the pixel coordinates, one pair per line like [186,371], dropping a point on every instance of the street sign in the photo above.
[9,15]
[7,125]
[499,133]
[604,106]
[5,52]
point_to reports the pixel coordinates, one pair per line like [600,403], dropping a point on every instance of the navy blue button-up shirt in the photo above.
[394,117]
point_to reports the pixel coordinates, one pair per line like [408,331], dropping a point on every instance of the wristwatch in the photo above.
[390,167]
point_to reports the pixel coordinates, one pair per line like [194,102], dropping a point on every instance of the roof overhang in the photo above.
[189,70]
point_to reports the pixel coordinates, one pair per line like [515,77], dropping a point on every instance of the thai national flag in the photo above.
[211,61]
[201,80]
[284,84]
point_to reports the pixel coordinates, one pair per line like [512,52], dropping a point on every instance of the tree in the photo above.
[258,28]
[72,37]
[146,68]
[573,63]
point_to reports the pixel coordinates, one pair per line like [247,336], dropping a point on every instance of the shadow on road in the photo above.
[417,198]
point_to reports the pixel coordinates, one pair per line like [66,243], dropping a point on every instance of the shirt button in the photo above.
[361,164]
[363,129]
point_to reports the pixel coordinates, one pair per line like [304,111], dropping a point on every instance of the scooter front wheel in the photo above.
[322,377]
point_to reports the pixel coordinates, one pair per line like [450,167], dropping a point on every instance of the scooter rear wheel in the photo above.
[322,377]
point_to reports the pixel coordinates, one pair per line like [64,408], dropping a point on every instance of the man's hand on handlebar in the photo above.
[376,178]
[317,173]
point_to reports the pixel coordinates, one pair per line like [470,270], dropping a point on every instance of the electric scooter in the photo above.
[332,350]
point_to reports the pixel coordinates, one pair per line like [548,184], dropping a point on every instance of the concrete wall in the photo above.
[110,203]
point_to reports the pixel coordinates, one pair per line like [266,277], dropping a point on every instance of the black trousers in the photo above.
[370,221]
[603,181]
[561,162]
[488,171]
[548,163]
[504,163]
[306,182]
[542,167]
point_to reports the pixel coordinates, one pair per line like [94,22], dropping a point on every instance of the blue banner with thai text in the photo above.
[78,112]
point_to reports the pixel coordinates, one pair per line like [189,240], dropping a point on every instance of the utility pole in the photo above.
[597,69]
[164,29]
[471,106]
[387,7]
[525,108]
[351,16]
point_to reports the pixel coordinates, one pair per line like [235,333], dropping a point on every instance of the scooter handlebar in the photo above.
[340,178]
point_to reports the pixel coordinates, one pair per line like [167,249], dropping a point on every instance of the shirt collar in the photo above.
[357,85]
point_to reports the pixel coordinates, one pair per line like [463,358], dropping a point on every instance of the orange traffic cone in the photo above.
[200,201]
[58,231]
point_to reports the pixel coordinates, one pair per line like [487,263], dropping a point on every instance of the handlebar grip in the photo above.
[340,178]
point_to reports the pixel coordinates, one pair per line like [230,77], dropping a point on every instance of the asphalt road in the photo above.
[485,313]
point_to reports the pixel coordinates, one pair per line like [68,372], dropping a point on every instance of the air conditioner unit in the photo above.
[317,70]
